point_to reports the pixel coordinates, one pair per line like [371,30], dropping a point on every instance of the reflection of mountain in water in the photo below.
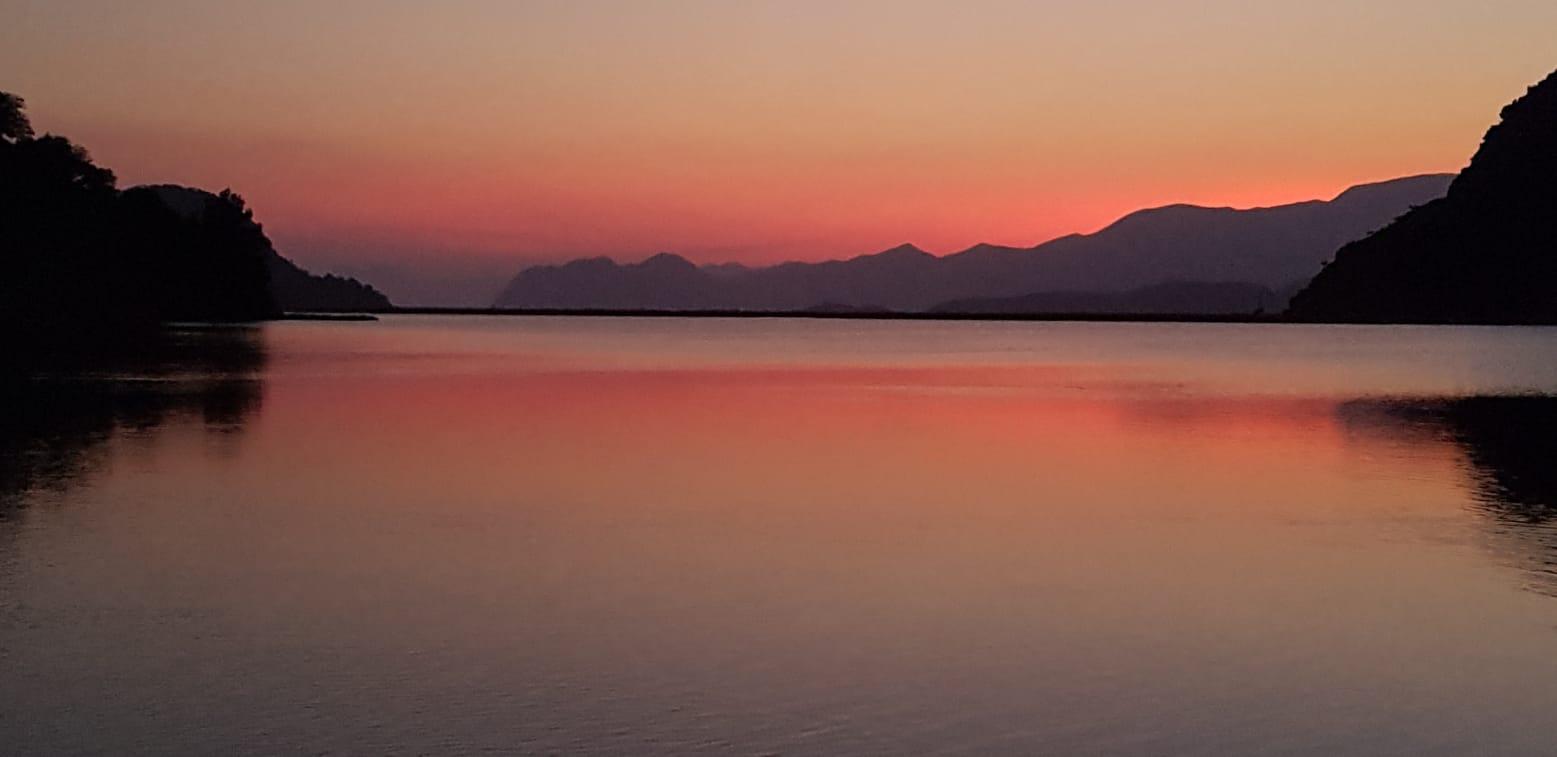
[1510,446]
[58,425]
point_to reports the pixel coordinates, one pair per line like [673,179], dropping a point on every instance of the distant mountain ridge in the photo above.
[1275,248]
[1484,253]
[295,289]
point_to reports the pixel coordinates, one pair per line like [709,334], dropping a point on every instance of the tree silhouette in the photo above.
[82,264]
[14,125]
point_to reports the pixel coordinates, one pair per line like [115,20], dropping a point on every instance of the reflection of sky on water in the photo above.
[579,535]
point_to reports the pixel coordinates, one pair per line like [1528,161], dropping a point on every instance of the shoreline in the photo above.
[1262,319]
[838,315]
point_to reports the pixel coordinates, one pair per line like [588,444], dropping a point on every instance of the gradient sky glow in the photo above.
[430,146]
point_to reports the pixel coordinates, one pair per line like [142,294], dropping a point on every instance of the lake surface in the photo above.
[538,535]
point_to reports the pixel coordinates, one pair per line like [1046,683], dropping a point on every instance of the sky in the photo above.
[435,148]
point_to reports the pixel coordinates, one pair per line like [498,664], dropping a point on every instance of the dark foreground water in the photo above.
[467,535]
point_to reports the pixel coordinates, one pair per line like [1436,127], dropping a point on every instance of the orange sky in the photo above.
[439,144]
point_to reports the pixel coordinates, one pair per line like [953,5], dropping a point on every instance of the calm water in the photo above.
[466,535]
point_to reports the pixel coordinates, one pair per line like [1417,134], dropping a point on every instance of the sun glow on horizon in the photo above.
[498,134]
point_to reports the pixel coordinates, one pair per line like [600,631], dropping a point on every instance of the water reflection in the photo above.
[1509,444]
[670,537]
[60,421]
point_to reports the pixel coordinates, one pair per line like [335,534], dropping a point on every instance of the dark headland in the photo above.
[88,267]
[1485,253]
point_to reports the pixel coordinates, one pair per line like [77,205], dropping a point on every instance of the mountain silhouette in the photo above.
[1484,253]
[295,289]
[1275,248]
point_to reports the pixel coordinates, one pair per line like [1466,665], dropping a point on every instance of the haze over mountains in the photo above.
[1256,256]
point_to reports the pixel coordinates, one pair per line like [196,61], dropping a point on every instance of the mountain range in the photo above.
[1253,256]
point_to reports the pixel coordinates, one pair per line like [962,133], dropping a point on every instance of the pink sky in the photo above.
[441,145]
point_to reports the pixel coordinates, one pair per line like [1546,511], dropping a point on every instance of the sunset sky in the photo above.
[435,148]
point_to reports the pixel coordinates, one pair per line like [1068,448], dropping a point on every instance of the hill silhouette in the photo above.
[1484,253]
[1276,248]
[294,289]
[82,259]
[83,264]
